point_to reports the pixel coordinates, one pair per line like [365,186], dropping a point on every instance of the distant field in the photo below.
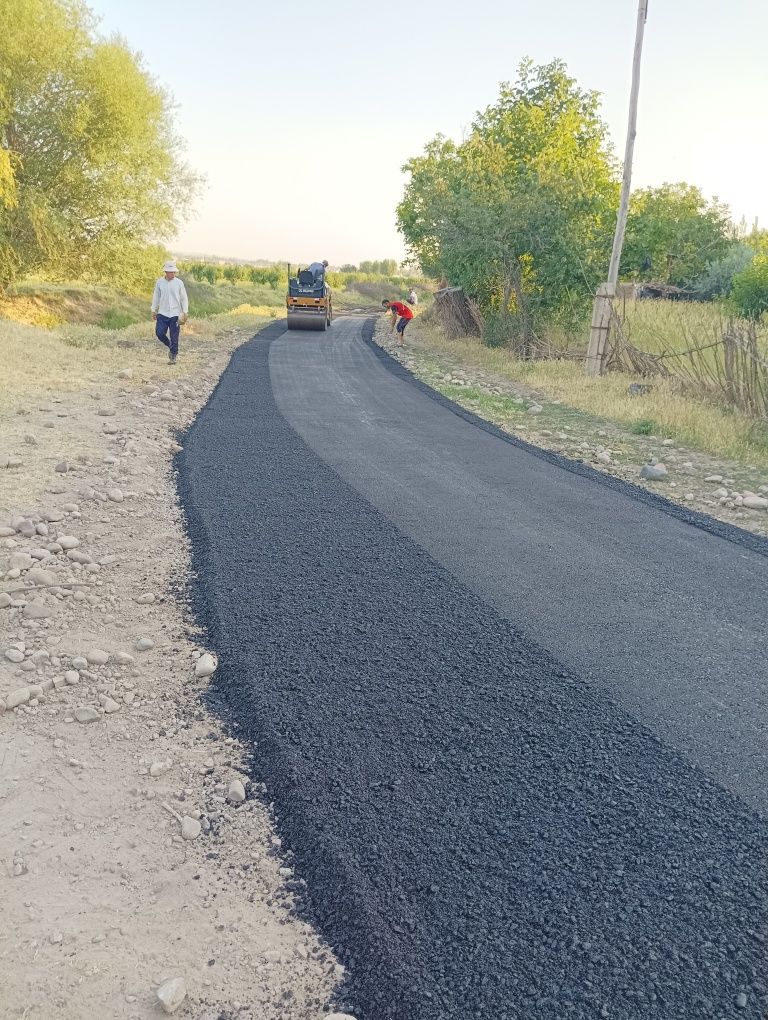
[47,305]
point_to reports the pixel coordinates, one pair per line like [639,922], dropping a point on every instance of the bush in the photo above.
[749,294]
[717,280]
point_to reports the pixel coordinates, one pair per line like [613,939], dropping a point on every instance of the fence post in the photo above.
[600,329]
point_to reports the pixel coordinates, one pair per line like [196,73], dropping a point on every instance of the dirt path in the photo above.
[128,855]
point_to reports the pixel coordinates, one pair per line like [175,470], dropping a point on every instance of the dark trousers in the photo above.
[163,327]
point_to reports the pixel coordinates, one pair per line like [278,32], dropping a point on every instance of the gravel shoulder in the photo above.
[135,850]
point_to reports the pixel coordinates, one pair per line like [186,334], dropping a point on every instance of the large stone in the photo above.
[20,561]
[14,655]
[205,665]
[236,792]
[44,578]
[755,502]
[171,994]
[97,657]
[87,715]
[654,472]
[18,697]
[190,827]
[38,610]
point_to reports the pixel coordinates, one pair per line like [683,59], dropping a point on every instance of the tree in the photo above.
[89,172]
[673,234]
[520,213]
[749,293]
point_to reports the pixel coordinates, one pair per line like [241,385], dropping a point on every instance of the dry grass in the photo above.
[40,361]
[666,411]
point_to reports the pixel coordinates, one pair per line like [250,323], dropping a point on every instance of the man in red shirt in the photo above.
[405,315]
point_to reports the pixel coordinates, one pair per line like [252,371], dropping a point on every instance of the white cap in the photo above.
[170,267]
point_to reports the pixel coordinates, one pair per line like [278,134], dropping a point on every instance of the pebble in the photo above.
[236,792]
[535,409]
[603,457]
[116,495]
[30,439]
[62,467]
[7,532]
[713,478]
[205,665]
[76,556]
[171,994]
[159,768]
[79,662]
[124,658]
[109,705]
[97,657]
[338,1016]
[144,644]
[110,429]
[125,373]
[654,472]
[68,542]
[14,655]
[741,1001]
[106,412]
[190,827]
[72,677]
[20,561]
[70,508]
[147,599]
[87,715]
[5,600]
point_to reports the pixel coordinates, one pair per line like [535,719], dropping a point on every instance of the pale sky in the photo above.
[301,114]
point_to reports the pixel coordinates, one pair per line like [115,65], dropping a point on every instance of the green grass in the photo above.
[644,427]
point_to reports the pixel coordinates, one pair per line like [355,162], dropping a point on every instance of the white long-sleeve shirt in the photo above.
[170,297]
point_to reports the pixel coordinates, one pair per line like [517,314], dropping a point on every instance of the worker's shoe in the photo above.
[172,359]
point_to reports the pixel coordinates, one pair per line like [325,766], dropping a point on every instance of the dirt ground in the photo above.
[128,855]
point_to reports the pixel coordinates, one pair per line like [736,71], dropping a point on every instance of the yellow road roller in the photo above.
[308,300]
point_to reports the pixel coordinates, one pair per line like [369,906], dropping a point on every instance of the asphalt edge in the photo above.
[727,532]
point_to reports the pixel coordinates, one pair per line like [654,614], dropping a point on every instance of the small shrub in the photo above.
[643,427]
[114,319]
[749,294]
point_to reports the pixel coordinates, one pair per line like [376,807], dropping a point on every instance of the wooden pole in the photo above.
[598,336]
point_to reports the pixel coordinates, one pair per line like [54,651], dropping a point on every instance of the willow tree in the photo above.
[89,167]
[520,212]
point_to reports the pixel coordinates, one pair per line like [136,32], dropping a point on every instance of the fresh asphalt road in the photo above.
[511,714]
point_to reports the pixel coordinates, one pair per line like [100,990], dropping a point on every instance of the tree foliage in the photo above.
[520,213]
[382,267]
[89,168]
[749,292]
[673,234]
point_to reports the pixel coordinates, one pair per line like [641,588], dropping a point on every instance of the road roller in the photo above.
[308,301]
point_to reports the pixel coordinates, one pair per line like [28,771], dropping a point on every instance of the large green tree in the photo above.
[89,168]
[519,213]
[673,234]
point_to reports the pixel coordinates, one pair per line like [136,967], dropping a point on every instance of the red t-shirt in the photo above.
[402,310]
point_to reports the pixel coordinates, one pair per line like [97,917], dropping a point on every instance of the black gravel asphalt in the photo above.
[485,832]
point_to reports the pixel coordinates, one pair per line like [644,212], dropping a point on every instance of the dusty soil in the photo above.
[103,898]
[694,479]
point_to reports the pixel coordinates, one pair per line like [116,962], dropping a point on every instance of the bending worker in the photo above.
[401,316]
[318,268]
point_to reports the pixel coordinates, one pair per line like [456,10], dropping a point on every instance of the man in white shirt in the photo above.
[170,308]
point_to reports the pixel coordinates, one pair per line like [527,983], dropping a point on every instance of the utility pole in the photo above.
[601,311]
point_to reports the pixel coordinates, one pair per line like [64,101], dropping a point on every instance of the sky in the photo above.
[302,115]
